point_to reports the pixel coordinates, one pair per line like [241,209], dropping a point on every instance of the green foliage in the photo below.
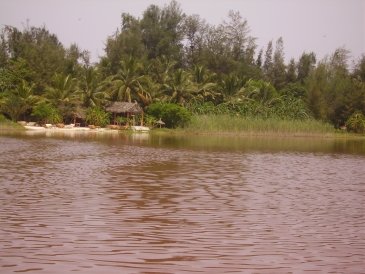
[230,85]
[295,90]
[305,66]
[123,44]
[359,71]
[258,126]
[46,113]
[316,89]
[40,49]
[283,108]
[3,118]
[120,120]
[150,121]
[98,117]
[16,102]
[268,63]
[179,87]
[279,73]
[356,123]
[291,72]
[12,75]
[62,94]
[167,56]
[163,31]
[127,84]
[332,94]
[260,91]
[91,89]
[171,114]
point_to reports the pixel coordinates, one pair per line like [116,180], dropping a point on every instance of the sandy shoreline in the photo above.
[33,130]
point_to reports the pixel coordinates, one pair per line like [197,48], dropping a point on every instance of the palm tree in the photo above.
[91,88]
[261,91]
[231,85]
[204,88]
[18,101]
[161,69]
[62,94]
[178,88]
[127,84]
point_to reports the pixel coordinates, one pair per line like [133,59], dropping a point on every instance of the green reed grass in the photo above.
[257,126]
[6,124]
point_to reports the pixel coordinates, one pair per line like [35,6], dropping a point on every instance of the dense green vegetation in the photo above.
[173,115]
[259,126]
[167,57]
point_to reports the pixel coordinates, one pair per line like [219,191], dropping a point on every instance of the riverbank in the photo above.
[267,134]
[7,125]
[242,126]
[253,125]
[231,126]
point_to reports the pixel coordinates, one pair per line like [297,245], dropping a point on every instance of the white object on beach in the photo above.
[34,128]
[140,128]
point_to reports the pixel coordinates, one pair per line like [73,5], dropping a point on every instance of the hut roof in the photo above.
[124,107]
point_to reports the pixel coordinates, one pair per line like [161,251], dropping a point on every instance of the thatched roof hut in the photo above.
[124,107]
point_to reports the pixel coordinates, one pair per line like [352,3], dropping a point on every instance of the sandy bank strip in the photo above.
[34,129]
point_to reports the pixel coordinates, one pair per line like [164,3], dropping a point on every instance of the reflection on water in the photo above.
[141,204]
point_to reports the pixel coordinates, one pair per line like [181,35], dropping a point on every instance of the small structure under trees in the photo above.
[79,116]
[125,108]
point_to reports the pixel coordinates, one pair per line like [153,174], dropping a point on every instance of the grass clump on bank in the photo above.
[258,126]
[6,124]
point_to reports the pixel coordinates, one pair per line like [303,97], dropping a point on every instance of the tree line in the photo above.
[167,56]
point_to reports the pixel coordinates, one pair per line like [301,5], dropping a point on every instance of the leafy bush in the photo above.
[173,115]
[46,113]
[150,121]
[120,120]
[98,117]
[3,118]
[356,123]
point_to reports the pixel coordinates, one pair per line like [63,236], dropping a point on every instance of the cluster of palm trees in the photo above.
[158,81]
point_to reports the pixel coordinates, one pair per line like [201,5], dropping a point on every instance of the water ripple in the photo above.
[93,207]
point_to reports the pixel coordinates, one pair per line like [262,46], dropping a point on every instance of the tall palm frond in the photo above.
[91,88]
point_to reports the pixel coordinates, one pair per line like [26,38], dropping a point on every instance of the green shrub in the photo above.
[98,117]
[120,120]
[46,113]
[356,123]
[173,115]
[3,118]
[150,121]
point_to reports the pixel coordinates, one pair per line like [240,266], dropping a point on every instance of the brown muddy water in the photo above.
[115,203]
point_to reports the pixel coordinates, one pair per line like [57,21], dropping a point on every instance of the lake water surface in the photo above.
[117,203]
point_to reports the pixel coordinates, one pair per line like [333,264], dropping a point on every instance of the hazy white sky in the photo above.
[305,25]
